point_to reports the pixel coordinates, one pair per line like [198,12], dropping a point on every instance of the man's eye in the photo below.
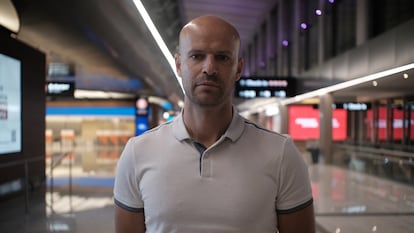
[196,56]
[222,57]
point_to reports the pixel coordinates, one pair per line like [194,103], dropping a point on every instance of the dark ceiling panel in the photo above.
[246,15]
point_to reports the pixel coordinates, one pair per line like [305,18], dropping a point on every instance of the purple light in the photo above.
[304,26]
[285,43]
[318,12]
[331,1]
[262,64]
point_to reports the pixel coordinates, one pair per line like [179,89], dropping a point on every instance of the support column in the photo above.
[325,127]
[361,128]
[284,122]
[362,17]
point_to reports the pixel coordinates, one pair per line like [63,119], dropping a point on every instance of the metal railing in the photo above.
[25,163]
[394,164]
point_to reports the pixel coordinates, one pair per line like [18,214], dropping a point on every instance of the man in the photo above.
[210,170]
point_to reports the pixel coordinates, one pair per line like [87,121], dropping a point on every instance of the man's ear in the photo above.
[177,63]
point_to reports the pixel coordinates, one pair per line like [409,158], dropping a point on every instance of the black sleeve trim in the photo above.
[125,207]
[297,208]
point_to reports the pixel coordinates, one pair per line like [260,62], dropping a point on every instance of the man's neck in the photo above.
[206,125]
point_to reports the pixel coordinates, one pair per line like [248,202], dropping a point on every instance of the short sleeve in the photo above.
[126,189]
[295,190]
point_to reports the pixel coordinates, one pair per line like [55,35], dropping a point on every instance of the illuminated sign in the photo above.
[10,105]
[60,88]
[142,107]
[353,106]
[264,87]
[304,123]
[57,69]
[349,106]
[381,124]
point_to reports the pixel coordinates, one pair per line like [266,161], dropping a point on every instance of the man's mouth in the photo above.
[207,83]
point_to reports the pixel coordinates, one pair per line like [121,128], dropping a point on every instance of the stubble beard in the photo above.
[202,96]
[206,99]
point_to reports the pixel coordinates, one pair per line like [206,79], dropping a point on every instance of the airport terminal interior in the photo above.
[78,79]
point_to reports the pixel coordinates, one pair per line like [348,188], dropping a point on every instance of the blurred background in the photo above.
[79,78]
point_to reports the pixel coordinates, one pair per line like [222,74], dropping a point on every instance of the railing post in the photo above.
[51,182]
[26,187]
[70,181]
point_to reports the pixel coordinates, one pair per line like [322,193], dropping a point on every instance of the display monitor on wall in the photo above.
[10,105]
[304,123]
[265,87]
[381,124]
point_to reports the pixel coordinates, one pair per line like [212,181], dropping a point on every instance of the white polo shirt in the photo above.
[238,184]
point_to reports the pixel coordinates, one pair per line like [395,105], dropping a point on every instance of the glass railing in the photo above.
[391,163]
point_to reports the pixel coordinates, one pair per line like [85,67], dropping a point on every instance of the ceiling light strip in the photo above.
[160,42]
[346,84]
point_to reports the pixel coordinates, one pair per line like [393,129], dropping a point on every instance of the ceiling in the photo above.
[392,86]
[111,49]
[109,45]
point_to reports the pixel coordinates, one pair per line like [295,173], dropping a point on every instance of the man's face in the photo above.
[208,64]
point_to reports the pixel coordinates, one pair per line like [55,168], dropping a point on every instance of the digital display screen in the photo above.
[265,87]
[381,123]
[304,123]
[60,88]
[10,105]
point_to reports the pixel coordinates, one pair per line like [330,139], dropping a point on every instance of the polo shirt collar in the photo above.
[233,132]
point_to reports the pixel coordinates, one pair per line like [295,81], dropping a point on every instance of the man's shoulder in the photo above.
[157,132]
[259,129]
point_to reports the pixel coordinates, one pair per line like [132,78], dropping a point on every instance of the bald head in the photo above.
[208,61]
[209,26]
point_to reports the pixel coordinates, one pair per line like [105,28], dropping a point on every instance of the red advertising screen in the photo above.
[304,123]
[397,125]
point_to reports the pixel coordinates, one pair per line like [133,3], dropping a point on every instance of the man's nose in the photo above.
[210,66]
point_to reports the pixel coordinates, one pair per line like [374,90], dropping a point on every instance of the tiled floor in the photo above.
[345,201]
[80,211]
[348,201]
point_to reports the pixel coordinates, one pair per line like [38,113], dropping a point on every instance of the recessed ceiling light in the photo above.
[405,75]
[304,26]
[374,83]
[318,12]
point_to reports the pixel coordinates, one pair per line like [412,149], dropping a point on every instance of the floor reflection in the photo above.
[343,196]
[79,188]
[59,203]
[337,190]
